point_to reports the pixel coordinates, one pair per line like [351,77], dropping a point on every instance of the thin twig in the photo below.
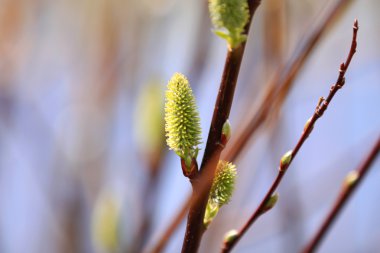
[347,189]
[279,87]
[195,227]
[320,109]
[289,72]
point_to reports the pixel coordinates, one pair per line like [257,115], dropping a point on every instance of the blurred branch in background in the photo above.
[149,120]
[352,180]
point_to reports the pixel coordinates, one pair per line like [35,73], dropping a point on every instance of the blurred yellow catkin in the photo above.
[105,222]
[148,119]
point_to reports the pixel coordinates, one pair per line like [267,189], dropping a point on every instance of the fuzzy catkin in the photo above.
[229,14]
[182,122]
[230,17]
[224,183]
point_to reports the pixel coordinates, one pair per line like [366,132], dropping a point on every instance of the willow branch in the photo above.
[289,72]
[347,190]
[320,109]
[195,227]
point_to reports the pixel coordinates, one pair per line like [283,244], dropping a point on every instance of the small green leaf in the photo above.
[212,210]
[222,34]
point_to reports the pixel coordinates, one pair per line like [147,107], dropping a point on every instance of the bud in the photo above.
[230,236]
[285,160]
[212,210]
[226,132]
[230,17]
[351,178]
[271,202]
[307,125]
[182,123]
[188,161]
[189,167]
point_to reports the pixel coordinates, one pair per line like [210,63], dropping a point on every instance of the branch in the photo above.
[320,109]
[353,179]
[195,227]
[289,72]
[279,87]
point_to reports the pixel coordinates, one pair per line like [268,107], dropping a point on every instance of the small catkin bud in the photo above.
[285,160]
[182,123]
[230,236]
[271,202]
[221,190]
[224,183]
[231,16]
[351,178]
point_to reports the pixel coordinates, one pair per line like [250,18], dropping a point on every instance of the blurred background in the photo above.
[83,162]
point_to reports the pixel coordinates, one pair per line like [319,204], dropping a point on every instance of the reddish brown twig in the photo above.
[195,227]
[320,109]
[279,87]
[347,190]
[284,84]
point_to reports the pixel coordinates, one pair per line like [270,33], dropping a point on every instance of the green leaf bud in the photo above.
[286,159]
[230,16]
[224,183]
[271,202]
[182,123]
[230,236]
[351,178]
[226,132]
[307,125]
